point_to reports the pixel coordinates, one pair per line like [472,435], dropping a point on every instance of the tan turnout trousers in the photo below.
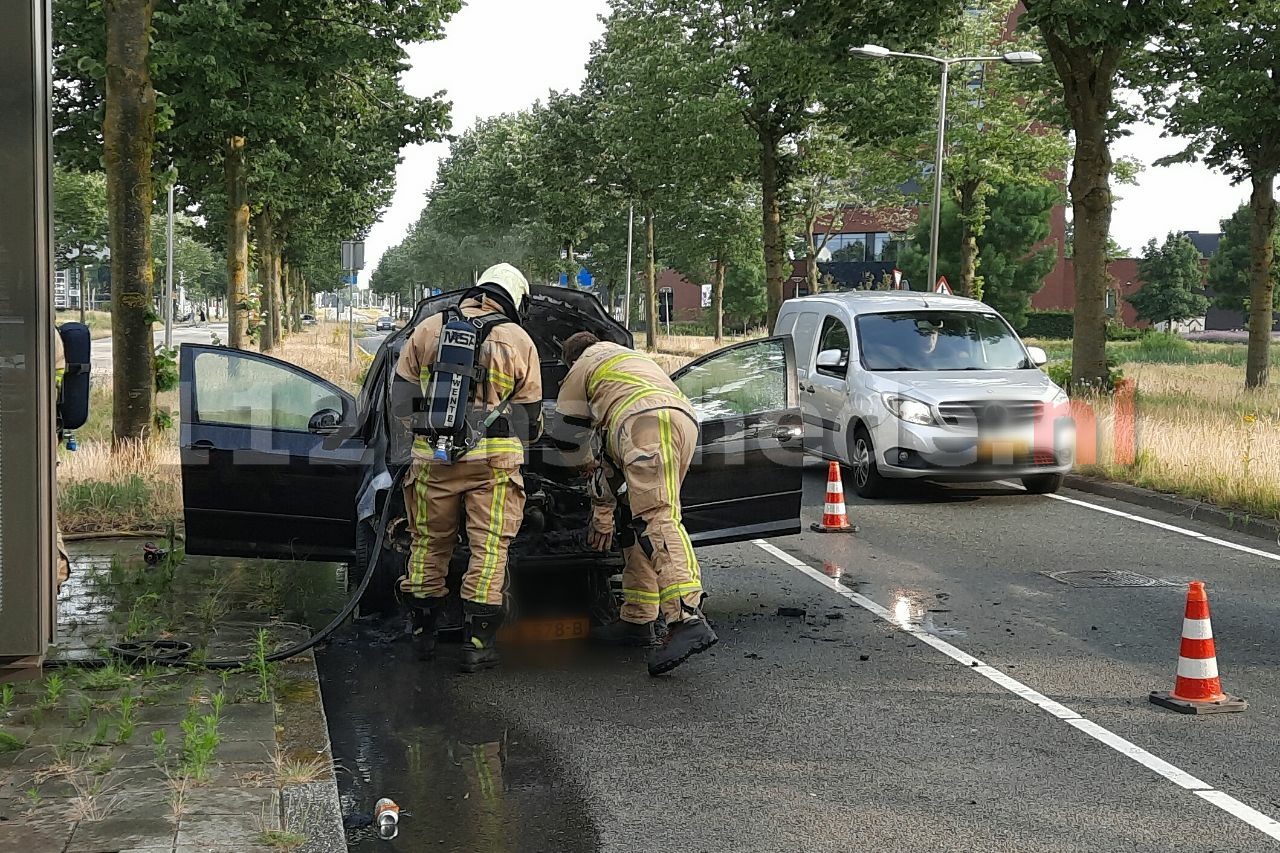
[436,499]
[661,569]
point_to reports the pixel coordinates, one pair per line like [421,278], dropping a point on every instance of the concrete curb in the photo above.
[1192,510]
[309,808]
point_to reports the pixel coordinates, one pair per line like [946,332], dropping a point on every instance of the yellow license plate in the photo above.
[543,630]
[997,451]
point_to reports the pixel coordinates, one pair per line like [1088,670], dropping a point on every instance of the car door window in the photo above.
[835,337]
[742,380]
[236,389]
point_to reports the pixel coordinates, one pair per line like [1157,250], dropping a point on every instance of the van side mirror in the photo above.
[1038,356]
[830,358]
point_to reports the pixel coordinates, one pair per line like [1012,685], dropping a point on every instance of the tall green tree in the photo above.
[785,62]
[80,226]
[1229,268]
[1011,253]
[1090,43]
[1224,68]
[1171,278]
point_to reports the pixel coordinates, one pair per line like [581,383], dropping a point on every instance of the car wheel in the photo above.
[380,596]
[867,481]
[1043,484]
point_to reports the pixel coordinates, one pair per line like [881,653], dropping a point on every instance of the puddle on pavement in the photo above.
[919,612]
[463,778]
[113,591]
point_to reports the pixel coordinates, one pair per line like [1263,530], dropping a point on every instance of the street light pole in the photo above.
[873,51]
[626,305]
[168,277]
[937,177]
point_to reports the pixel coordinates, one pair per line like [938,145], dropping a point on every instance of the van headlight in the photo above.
[910,410]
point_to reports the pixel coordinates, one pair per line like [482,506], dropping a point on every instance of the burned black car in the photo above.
[278,462]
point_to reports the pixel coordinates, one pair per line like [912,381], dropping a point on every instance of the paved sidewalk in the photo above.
[131,757]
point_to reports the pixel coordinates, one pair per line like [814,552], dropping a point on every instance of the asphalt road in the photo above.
[102,349]
[849,731]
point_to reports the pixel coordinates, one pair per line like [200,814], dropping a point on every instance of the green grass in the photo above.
[9,743]
[109,677]
[1161,348]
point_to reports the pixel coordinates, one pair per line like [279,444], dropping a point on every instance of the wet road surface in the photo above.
[840,730]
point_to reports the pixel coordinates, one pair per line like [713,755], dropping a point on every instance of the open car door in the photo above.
[266,471]
[746,481]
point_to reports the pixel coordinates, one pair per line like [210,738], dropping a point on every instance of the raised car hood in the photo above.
[946,385]
[555,313]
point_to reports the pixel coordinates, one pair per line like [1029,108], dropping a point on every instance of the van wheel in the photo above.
[867,481]
[1043,484]
[380,595]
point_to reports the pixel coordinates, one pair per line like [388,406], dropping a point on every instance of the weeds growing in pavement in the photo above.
[9,743]
[298,771]
[102,732]
[93,800]
[200,739]
[280,839]
[109,677]
[33,795]
[54,686]
[178,786]
[103,764]
[160,747]
[6,698]
[78,714]
[259,665]
[125,723]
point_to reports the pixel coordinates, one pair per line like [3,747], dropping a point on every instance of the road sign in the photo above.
[350,278]
[942,286]
[352,255]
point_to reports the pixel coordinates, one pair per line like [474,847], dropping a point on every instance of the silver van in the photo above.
[900,385]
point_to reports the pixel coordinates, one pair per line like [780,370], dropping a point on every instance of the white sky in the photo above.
[501,55]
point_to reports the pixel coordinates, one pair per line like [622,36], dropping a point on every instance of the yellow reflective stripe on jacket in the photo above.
[502,381]
[597,375]
[621,411]
[639,596]
[679,590]
[671,475]
[486,446]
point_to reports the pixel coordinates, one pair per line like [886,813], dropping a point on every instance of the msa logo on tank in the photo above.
[458,338]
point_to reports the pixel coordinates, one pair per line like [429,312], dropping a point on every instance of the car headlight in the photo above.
[909,410]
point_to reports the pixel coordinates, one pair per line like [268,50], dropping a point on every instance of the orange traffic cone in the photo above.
[834,517]
[1197,689]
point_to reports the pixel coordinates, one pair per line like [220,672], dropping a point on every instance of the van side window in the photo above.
[835,337]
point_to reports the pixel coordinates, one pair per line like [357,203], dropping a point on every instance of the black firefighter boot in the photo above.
[623,633]
[479,649]
[423,612]
[684,639]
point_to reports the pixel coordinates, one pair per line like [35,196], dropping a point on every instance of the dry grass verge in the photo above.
[1199,435]
[135,487]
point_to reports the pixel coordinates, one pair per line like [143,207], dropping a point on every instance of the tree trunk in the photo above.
[717,298]
[295,305]
[128,133]
[236,172]
[650,285]
[774,254]
[571,277]
[1091,215]
[968,241]
[277,293]
[266,278]
[1262,224]
[80,278]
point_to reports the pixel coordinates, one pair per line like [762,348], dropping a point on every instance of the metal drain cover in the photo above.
[1103,578]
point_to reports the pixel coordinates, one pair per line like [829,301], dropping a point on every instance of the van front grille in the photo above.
[990,414]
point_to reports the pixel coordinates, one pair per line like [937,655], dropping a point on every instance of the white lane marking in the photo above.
[1263,823]
[1151,522]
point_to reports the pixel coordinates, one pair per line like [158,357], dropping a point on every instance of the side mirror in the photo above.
[324,421]
[830,358]
[1038,356]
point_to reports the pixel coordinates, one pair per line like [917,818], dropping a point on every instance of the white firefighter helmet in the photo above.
[510,280]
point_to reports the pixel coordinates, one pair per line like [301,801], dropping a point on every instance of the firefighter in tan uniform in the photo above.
[484,482]
[649,432]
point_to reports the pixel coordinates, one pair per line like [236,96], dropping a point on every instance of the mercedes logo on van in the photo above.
[995,415]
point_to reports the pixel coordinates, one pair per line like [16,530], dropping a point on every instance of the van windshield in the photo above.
[939,340]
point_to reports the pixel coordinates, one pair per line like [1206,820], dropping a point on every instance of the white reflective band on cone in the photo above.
[1197,629]
[833,509]
[835,488]
[1193,668]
